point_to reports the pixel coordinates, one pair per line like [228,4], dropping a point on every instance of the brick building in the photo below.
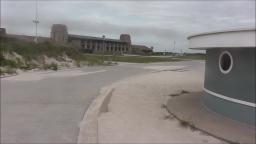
[59,35]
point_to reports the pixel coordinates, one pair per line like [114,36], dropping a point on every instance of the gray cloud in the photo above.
[156,23]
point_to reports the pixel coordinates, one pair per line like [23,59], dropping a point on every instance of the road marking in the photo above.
[230,99]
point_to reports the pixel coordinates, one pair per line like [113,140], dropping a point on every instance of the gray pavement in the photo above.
[49,110]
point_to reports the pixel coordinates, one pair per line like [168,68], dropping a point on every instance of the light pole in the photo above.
[0,14]
[103,50]
[174,42]
[36,21]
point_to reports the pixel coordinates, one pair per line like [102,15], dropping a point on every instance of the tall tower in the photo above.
[2,31]
[59,34]
[127,38]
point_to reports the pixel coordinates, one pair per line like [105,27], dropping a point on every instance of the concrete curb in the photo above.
[5,76]
[88,132]
[199,117]
[42,71]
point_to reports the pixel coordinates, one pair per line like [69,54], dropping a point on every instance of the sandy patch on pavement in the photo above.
[36,76]
[135,113]
[164,68]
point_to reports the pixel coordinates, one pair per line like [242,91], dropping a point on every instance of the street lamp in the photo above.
[174,43]
[36,21]
[103,42]
[103,50]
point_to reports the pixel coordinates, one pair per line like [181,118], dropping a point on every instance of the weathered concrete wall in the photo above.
[125,38]
[76,44]
[238,84]
[59,34]
[27,38]
[2,31]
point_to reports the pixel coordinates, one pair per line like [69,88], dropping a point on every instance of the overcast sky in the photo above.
[153,23]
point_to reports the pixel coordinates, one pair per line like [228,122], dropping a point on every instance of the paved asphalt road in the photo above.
[49,110]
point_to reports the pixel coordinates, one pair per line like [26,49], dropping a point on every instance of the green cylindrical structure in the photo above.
[229,86]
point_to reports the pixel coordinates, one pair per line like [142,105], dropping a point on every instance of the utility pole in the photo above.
[36,21]
[174,43]
[103,52]
[0,13]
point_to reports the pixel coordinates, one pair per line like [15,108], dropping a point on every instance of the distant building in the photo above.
[2,32]
[25,38]
[229,86]
[141,50]
[59,35]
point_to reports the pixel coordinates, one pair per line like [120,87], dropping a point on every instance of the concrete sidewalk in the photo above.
[136,112]
[190,108]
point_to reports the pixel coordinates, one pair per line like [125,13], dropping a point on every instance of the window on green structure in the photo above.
[225,62]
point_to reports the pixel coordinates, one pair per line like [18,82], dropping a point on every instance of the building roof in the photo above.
[140,47]
[27,38]
[2,31]
[241,38]
[93,38]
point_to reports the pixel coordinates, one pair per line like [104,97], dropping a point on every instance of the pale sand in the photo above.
[162,68]
[36,76]
[135,114]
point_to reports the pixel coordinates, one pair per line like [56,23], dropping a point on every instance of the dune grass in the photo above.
[30,51]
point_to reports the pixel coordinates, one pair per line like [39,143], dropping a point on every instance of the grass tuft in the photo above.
[184,92]
[184,123]
[174,95]
[180,93]
[164,106]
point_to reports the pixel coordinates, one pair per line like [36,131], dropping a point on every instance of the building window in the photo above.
[225,62]
[82,44]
